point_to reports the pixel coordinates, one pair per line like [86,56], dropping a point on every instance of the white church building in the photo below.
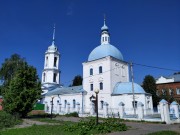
[106,71]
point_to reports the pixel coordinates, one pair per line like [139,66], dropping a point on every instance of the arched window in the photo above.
[100,69]
[91,87]
[101,86]
[55,61]
[102,104]
[91,71]
[65,103]
[46,61]
[74,103]
[44,77]
[54,77]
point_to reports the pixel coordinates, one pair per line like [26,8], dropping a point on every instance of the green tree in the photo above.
[9,67]
[149,85]
[22,90]
[77,80]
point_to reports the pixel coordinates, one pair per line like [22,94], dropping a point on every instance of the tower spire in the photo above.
[53,42]
[105,37]
[104,19]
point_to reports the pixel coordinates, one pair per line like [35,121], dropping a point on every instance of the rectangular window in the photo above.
[55,61]
[170,92]
[178,91]
[54,77]
[91,87]
[101,86]
[163,92]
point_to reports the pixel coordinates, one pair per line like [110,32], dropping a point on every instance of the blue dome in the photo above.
[126,88]
[103,51]
[104,27]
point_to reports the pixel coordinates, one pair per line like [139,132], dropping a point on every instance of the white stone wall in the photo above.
[164,80]
[119,72]
[127,100]
[59,100]
[96,78]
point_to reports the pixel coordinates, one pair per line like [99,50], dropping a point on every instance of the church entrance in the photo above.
[94,103]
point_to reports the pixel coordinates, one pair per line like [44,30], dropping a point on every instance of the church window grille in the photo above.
[65,103]
[54,77]
[178,91]
[105,38]
[102,104]
[44,77]
[101,86]
[91,71]
[134,104]
[74,103]
[91,87]
[100,69]
[55,61]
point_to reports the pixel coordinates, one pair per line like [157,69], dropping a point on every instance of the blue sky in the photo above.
[145,31]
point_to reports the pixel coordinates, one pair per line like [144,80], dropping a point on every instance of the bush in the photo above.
[89,126]
[74,114]
[7,120]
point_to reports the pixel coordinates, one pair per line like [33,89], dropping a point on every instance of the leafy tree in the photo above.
[149,85]
[9,67]
[22,90]
[77,80]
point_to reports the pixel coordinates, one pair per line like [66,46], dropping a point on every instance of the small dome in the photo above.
[103,51]
[126,88]
[52,48]
[104,27]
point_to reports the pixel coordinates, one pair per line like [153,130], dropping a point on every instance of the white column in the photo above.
[105,110]
[174,106]
[45,107]
[140,111]
[164,109]
[121,109]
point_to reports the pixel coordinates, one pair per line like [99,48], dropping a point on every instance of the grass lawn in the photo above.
[164,133]
[38,130]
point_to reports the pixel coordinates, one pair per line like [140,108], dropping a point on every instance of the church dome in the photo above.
[126,88]
[103,51]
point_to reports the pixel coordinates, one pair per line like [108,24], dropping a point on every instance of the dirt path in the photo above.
[29,122]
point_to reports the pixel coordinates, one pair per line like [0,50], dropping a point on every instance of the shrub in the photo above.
[74,114]
[7,120]
[89,126]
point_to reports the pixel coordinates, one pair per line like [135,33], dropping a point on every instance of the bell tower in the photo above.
[51,72]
